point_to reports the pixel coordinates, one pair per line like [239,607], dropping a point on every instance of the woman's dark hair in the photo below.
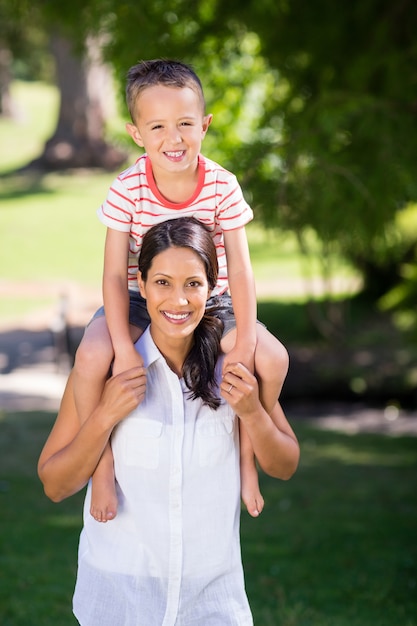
[199,366]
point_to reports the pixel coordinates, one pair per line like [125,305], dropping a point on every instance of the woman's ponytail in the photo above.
[200,365]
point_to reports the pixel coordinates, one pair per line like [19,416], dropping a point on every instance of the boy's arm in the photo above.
[116,300]
[242,291]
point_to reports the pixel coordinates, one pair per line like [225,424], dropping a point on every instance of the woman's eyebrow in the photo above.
[164,275]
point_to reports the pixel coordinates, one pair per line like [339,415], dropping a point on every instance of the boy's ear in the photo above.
[141,284]
[207,119]
[135,134]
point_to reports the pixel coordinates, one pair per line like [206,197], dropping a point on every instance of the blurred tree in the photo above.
[315,106]
[330,89]
[86,100]
[12,45]
[84,80]
[6,102]
[24,52]
[338,145]
[402,298]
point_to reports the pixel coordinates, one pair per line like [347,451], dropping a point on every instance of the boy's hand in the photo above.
[126,360]
[239,355]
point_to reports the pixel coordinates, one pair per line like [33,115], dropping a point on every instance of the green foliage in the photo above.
[24,41]
[402,298]
[337,153]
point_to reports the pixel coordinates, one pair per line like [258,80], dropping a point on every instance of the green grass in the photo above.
[335,545]
[50,230]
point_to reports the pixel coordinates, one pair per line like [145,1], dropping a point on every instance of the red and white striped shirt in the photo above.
[134,204]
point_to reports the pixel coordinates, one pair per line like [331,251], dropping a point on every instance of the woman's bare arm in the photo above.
[71,452]
[274,442]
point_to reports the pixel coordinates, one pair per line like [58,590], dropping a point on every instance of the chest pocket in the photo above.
[142,443]
[215,440]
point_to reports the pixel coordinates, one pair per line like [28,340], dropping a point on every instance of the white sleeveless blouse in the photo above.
[172,554]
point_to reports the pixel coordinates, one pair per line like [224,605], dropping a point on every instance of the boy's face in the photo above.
[170,126]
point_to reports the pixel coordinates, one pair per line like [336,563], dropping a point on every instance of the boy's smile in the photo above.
[175,156]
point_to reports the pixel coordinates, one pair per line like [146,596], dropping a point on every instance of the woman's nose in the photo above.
[180,297]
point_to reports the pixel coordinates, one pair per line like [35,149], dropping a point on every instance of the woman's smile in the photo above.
[176,292]
[176,317]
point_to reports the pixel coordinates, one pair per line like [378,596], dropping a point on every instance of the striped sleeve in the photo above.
[118,209]
[232,210]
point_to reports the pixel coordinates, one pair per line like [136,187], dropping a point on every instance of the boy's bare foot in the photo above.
[251,494]
[103,500]
[255,504]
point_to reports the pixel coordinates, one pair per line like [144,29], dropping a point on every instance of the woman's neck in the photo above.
[174,351]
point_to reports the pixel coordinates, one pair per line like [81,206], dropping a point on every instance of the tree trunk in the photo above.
[6,103]
[85,91]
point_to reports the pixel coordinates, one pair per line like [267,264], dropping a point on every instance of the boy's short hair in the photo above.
[160,72]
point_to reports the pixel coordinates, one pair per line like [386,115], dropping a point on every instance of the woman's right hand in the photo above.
[71,453]
[122,393]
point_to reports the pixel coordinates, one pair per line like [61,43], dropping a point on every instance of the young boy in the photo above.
[172,179]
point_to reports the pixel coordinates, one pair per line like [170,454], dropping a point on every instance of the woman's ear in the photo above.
[132,130]
[141,284]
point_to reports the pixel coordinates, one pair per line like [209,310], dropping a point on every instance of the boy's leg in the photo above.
[271,366]
[92,366]
[249,479]
[91,370]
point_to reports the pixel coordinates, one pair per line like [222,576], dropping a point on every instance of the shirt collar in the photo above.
[147,348]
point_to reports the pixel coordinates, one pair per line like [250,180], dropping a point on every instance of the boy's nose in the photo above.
[175,136]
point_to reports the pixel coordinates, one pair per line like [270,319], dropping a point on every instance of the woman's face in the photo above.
[176,292]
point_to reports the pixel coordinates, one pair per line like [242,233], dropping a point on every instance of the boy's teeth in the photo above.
[175,154]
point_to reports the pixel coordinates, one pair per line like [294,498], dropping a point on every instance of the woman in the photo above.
[172,554]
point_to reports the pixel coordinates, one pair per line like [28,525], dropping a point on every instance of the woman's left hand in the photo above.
[240,389]
[274,442]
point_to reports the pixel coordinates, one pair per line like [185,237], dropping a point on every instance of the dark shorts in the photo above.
[220,306]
